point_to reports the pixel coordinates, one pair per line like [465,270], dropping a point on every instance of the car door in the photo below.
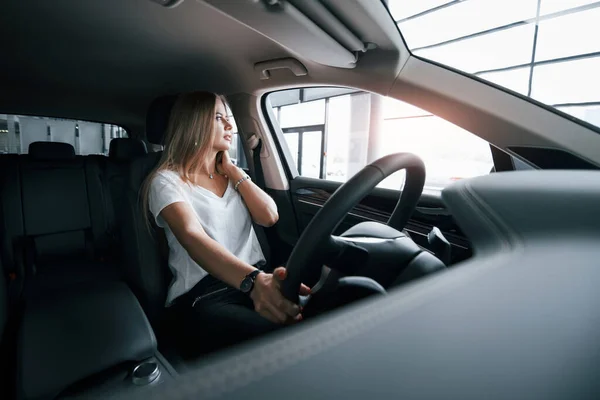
[325,135]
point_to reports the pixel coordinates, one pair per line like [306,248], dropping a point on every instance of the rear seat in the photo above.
[11,221]
[61,215]
[58,243]
[65,238]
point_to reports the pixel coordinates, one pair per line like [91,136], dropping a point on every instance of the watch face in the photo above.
[246,285]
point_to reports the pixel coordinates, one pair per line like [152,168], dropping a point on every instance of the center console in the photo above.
[85,340]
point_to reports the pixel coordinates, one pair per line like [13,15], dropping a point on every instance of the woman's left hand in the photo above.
[226,165]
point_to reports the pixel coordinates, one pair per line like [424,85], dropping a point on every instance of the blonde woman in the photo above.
[206,206]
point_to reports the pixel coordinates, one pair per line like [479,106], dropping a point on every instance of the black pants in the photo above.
[214,315]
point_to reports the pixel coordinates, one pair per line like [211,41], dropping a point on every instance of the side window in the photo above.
[17,132]
[332,133]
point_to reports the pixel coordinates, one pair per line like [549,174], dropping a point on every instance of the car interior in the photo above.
[477,298]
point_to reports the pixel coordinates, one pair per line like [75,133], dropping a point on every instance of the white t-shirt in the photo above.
[225,219]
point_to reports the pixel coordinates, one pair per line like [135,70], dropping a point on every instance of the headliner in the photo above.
[93,59]
[106,60]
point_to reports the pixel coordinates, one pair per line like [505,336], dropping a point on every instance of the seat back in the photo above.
[56,208]
[144,254]
[66,236]
[145,249]
[6,344]
[11,214]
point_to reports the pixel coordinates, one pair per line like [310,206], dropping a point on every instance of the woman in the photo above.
[206,206]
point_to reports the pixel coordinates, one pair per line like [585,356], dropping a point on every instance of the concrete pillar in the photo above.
[77,139]
[19,132]
[360,106]
[376,146]
[105,138]
[13,140]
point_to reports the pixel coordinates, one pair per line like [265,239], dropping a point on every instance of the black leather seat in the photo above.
[5,345]
[66,237]
[125,149]
[76,317]
[82,331]
[146,253]
[116,173]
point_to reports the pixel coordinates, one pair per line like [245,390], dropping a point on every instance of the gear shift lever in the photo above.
[439,245]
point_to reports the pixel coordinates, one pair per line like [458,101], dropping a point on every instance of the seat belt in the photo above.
[259,175]
[259,179]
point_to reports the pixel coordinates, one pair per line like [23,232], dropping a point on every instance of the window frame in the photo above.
[290,168]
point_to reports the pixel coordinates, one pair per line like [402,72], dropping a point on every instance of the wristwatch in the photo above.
[248,281]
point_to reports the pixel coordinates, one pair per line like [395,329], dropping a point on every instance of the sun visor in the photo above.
[323,39]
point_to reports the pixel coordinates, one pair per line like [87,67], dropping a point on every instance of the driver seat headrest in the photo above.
[157,118]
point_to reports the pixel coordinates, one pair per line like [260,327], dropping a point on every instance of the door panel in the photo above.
[309,195]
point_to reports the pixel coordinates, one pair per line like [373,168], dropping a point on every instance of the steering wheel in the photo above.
[316,242]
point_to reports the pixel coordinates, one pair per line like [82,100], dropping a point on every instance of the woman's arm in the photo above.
[223,265]
[261,206]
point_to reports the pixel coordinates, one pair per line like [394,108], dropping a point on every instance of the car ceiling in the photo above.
[76,56]
[106,60]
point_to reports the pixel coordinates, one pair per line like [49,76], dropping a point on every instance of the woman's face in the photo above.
[222,128]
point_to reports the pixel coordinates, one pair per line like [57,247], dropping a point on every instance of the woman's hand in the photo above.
[226,166]
[270,303]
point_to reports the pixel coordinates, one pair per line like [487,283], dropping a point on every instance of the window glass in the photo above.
[589,114]
[570,35]
[311,153]
[400,109]
[407,8]
[553,6]
[291,139]
[464,18]
[497,40]
[302,114]
[515,79]
[17,132]
[362,127]
[495,50]
[567,82]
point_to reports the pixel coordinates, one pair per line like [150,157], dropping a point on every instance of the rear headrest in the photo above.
[126,149]
[157,118]
[51,151]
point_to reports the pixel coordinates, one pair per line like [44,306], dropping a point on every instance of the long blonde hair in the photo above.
[188,140]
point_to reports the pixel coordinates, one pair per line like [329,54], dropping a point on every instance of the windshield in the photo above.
[544,49]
